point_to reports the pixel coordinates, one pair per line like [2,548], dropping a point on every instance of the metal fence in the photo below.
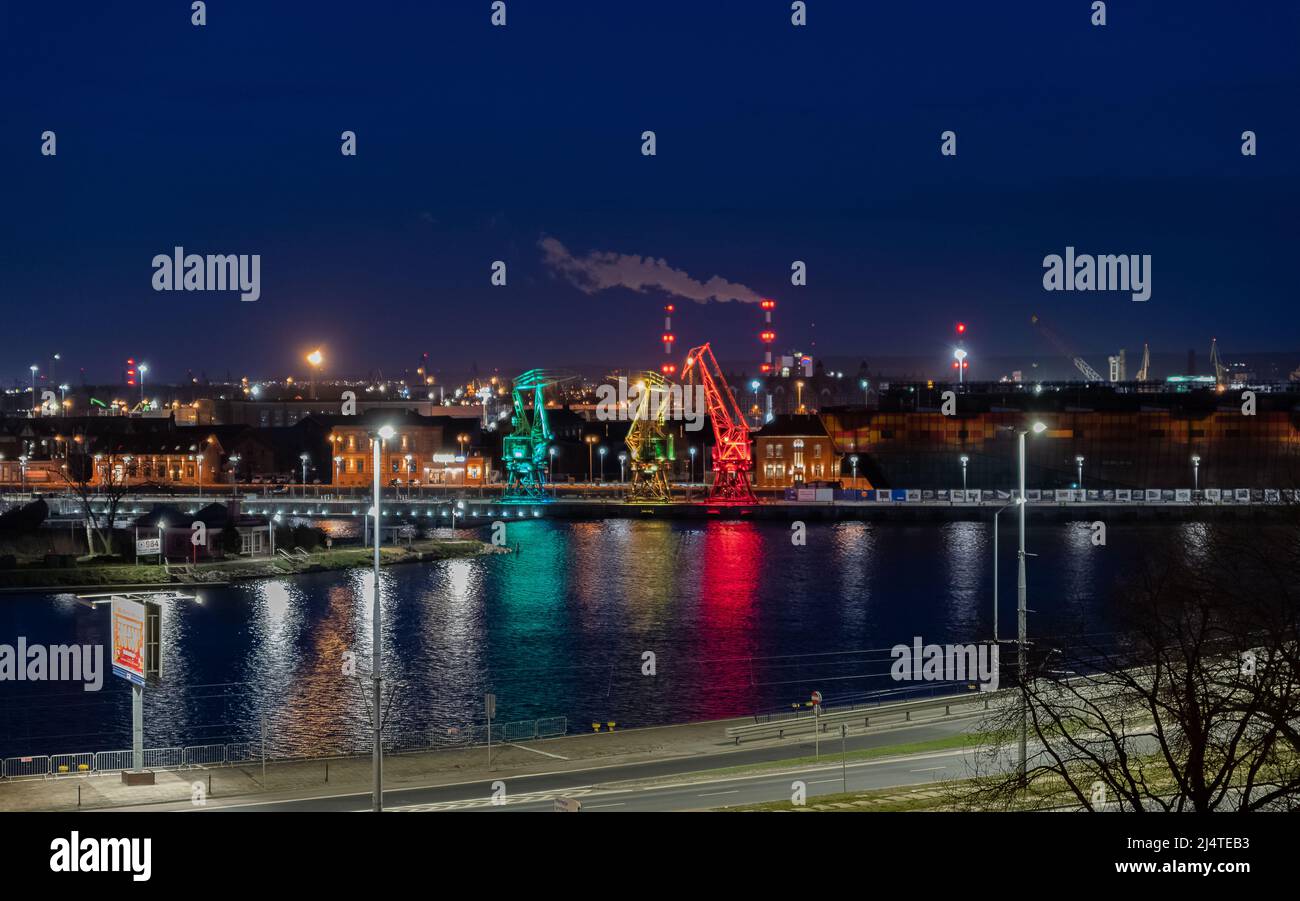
[211,755]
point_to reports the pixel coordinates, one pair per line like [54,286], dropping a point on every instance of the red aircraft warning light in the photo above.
[767,337]
[961,328]
[768,304]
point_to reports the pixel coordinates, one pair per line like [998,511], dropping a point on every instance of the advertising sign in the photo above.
[145,546]
[128,640]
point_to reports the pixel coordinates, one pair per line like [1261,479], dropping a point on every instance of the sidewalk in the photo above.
[338,776]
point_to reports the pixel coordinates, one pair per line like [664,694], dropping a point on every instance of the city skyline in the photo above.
[769,151]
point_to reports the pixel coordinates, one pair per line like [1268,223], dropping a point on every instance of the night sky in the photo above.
[775,144]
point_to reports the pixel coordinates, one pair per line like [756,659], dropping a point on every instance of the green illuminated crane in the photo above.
[525,448]
[648,441]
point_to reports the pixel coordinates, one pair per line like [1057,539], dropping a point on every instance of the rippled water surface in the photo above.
[739,620]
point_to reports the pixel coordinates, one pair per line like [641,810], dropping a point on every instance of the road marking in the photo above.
[535,751]
[734,791]
[598,806]
[929,769]
[825,781]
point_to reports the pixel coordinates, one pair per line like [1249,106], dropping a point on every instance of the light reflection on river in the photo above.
[739,619]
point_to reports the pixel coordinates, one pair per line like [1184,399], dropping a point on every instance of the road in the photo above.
[606,787]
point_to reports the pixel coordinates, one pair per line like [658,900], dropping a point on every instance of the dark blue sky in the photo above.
[775,143]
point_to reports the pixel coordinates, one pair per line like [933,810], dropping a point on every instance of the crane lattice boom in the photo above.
[731,452]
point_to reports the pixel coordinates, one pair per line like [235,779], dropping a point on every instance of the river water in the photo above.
[738,617]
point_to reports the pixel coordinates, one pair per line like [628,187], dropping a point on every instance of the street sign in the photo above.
[490,705]
[817,698]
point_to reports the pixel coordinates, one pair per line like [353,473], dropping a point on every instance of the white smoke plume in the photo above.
[599,270]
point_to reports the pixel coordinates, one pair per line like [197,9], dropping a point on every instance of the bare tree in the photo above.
[94,479]
[1192,705]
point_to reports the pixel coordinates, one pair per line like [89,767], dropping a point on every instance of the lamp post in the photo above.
[1022,609]
[377,639]
[964,460]
[691,478]
[22,468]
[960,355]
[1196,472]
[550,468]
[591,441]
[864,385]
[602,452]
[409,469]
[758,413]
[338,470]
[853,461]
[996,514]
[622,460]
[315,358]
[798,389]
[144,367]
[304,458]
[35,406]
[1078,462]
[234,474]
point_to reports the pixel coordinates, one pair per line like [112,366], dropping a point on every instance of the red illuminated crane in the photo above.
[731,455]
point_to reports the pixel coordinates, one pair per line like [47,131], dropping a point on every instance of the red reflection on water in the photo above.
[731,565]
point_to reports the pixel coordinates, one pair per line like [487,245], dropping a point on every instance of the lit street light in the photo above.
[550,468]
[1022,608]
[143,368]
[591,441]
[1196,472]
[853,461]
[864,385]
[315,358]
[602,464]
[377,638]
[691,477]
[35,406]
[622,459]
[305,458]
[755,385]
[964,460]
[1078,462]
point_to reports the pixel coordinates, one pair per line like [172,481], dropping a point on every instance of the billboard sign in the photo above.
[128,626]
[145,546]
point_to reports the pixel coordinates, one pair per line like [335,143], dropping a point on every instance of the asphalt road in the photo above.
[597,787]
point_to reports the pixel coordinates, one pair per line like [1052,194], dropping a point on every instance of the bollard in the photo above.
[327,771]
[209,785]
[78,795]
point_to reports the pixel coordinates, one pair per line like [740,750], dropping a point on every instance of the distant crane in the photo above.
[1089,374]
[526,447]
[731,452]
[1220,371]
[1143,373]
[648,442]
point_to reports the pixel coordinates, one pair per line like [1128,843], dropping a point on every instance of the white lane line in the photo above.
[825,781]
[535,751]
[734,791]
[929,769]
[598,806]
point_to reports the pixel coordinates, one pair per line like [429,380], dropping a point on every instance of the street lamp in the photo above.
[853,461]
[1196,472]
[798,387]
[622,459]
[22,467]
[864,385]
[960,356]
[550,468]
[964,460]
[35,406]
[377,638]
[315,358]
[755,385]
[338,470]
[234,473]
[602,463]
[591,441]
[1022,609]
[1078,462]
[144,367]
[691,478]
[304,458]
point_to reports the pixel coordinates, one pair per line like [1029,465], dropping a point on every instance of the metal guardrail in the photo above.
[212,755]
[779,728]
